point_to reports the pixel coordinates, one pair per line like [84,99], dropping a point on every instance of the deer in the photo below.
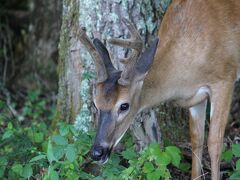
[194,59]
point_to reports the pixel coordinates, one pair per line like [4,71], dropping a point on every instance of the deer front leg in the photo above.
[197,116]
[220,105]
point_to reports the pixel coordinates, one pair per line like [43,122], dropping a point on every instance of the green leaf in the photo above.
[236,149]
[7,134]
[174,152]
[10,125]
[37,158]
[70,153]
[184,166]
[227,155]
[63,129]
[163,159]
[129,154]
[155,149]
[53,175]
[38,137]
[238,165]
[73,130]
[58,151]
[50,155]
[3,165]
[3,161]
[148,167]
[127,171]
[27,171]
[235,175]
[18,169]
[173,149]
[154,175]
[59,140]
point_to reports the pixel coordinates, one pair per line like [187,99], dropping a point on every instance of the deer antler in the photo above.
[100,67]
[136,44]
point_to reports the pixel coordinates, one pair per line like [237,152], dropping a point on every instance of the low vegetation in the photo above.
[29,150]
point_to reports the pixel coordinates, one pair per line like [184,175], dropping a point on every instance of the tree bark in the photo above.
[69,67]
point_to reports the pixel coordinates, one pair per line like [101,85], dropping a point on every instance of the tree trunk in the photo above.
[69,67]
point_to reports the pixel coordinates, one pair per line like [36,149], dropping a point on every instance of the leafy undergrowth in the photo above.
[28,150]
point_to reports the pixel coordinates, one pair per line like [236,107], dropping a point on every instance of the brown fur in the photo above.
[198,58]
[199,47]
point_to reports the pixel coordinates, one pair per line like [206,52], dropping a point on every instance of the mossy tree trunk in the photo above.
[69,66]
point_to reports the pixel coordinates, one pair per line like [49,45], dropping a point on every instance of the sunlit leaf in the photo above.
[148,167]
[174,152]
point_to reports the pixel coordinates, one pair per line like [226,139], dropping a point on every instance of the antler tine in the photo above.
[100,67]
[136,44]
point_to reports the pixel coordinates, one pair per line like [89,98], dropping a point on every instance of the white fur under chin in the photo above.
[103,162]
[117,141]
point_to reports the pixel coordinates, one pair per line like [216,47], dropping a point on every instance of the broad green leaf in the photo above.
[10,125]
[53,175]
[3,161]
[27,171]
[235,176]
[163,159]
[7,134]
[148,167]
[154,175]
[155,149]
[129,154]
[38,137]
[174,152]
[73,130]
[238,165]
[50,155]
[70,153]
[58,151]
[173,149]
[3,165]
[127,171]
[59,140]
[18,169]
[236,149]
[37,158]
[2,170]
[227,155]
[63,129]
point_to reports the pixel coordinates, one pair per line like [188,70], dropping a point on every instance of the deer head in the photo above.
[117,92]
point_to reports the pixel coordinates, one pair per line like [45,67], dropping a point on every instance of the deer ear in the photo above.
[145,61]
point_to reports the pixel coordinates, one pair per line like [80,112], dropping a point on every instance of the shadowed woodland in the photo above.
[47,117]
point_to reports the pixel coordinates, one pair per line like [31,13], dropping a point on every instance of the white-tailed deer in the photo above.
[197,59]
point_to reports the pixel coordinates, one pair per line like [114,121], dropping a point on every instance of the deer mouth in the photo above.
[100,154]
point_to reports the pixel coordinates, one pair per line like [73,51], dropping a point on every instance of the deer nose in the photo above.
[97,152]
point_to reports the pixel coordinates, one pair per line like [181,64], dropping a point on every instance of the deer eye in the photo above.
[124,107]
